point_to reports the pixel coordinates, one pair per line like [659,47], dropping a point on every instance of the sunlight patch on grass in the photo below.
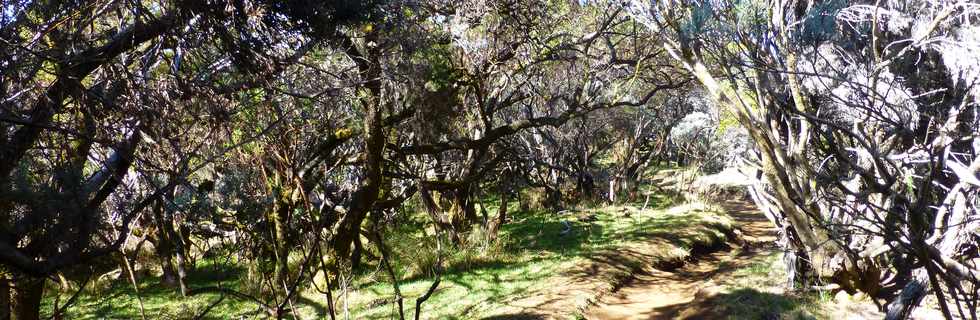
[536,254]
[541,253]
[757,291]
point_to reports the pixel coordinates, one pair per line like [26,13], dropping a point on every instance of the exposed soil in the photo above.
[604,272]
[613,286]
[687,292]
[696,290]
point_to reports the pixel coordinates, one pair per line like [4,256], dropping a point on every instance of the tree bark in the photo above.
[164,248]
[441,220]
[355,255]
[182,273]
[166,225]
[25,303]
[913,292]
[74,69]
[4,298]
[776,164]
[363,200]
[553,199]
[612,190]
[462,213]
[585,183]
[279,244]
[501,218]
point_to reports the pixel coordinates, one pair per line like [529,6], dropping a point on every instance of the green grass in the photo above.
[536,256]
[479,280]
[754,292]
[116,299]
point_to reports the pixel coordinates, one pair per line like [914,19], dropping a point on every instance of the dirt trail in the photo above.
[686,291]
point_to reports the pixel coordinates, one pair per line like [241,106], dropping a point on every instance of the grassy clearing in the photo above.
[533,265]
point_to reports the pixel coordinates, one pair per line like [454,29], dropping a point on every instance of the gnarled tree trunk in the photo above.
[25,302]
[4,297]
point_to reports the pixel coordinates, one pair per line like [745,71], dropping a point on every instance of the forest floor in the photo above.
[555,265]
[656,258]
[745,280]
[735,283]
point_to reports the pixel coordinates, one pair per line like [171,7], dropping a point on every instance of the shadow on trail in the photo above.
[694,290]
[516,316]
[743,302]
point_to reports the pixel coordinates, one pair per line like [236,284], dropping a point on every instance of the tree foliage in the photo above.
[294,137]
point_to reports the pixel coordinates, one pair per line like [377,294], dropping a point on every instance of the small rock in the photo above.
[860,296]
